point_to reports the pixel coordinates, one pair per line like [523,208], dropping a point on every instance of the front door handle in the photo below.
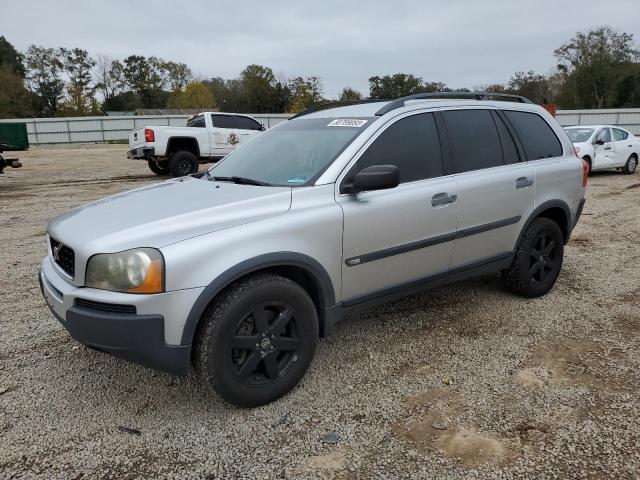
[607,148]
[523,182]
[443,199]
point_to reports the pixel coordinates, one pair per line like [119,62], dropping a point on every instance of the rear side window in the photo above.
[223,121]
[537,137]
[619,135]
[247,124]
[474,140]
[197,121]
[412,144]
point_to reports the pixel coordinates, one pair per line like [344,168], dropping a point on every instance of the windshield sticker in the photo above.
[347,122]
[296,180]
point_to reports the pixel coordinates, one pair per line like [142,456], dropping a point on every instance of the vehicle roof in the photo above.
[370,109]
[595,126]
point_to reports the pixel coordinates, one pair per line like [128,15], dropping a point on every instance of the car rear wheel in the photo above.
[257,340]
[183,163]
[538,260]
[159,167]
[630,166]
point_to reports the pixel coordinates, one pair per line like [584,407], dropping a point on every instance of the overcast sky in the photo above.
[462,43]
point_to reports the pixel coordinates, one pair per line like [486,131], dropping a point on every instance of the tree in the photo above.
[44,76]
[258,83]
[348,94]
[401,85]
[10,57]
[109,76]
[147,78]
[532,85]
[196,95]
[80,98]
[15,99]
[178,75]
[593,63]
[305,93]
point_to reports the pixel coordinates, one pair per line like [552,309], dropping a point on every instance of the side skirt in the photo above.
[490,265]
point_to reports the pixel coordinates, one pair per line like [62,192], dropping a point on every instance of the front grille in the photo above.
[64,257]
[105,307]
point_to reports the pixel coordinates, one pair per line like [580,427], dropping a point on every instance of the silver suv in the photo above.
[240,270]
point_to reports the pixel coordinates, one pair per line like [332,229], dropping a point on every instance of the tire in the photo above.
[257,340]
[538,260]
[630,167]
[183,163]
[159,167]
[589,163]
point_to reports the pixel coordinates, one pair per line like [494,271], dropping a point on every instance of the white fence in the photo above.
[104,129]
[628,118]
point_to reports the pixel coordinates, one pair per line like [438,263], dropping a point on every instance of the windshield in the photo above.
[579,135]
[294,153]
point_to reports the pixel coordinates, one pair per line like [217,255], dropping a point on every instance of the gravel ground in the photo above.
[544,388]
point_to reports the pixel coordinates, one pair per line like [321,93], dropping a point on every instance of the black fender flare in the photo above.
[317,272]
[194,139]
[546,206]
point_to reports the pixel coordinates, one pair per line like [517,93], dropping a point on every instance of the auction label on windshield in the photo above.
[347,122]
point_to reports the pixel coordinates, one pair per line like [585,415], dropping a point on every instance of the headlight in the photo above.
[133,271]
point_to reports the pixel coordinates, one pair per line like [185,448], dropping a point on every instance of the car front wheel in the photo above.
[257,340]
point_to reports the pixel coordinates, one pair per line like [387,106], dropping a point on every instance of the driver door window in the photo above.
[412,144]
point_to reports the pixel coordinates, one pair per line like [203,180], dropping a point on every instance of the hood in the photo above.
[165,213]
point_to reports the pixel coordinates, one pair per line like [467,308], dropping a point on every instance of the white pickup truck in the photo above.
[208,137]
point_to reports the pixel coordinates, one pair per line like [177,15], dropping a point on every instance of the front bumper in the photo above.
[141,153]
[137,337]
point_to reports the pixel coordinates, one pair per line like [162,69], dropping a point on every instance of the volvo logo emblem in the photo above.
[56,251]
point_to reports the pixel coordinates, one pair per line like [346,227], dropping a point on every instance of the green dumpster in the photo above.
[14,135]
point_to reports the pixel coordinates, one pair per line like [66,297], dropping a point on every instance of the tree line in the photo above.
[595,69]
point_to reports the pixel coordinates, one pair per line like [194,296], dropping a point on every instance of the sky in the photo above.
[463,43]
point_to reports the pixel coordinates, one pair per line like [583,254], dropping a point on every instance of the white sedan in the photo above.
[606,146]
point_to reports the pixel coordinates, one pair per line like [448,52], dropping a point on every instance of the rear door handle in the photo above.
[443,199]
[523,182]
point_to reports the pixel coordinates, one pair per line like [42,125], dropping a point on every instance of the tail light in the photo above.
[149,136]
[585,172]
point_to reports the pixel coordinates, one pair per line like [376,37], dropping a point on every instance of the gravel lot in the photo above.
[544,388]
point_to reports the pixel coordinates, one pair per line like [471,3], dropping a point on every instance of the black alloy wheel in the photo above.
[265,344]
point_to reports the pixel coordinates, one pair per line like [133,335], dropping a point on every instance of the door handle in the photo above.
[523,182]
[443,199]
[607,148]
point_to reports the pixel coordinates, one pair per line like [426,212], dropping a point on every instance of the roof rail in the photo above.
[343,103]
[400,102]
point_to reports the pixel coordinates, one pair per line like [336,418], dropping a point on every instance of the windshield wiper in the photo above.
[242,181]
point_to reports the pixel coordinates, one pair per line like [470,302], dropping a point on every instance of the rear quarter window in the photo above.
[535,134]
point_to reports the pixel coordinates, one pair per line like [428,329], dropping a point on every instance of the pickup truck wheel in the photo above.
[538,260]
[159,167]
[630,166]
[183,163]
[257,340]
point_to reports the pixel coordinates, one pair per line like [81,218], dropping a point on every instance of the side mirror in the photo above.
[376,177]
[262,128]
[599,142]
